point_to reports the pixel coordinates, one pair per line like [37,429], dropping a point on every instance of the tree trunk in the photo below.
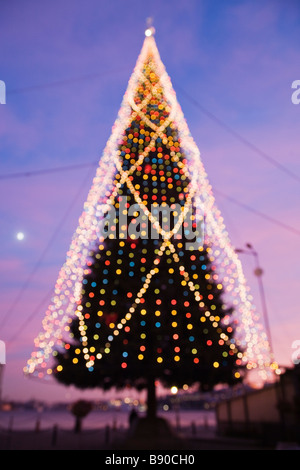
[78,422]
[151,398]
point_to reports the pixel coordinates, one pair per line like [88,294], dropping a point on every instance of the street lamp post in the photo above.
[258,273]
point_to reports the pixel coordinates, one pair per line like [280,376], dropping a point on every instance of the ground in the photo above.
[109,441]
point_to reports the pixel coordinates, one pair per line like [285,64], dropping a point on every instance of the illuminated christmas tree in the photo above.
[172,337]
[152,288]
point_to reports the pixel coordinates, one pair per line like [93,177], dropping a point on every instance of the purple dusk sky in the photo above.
[66,66]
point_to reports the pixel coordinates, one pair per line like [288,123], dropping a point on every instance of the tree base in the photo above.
[152,433]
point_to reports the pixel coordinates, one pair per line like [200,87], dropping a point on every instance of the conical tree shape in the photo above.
[159,296]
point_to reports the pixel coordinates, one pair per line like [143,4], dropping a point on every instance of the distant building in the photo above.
[271,414]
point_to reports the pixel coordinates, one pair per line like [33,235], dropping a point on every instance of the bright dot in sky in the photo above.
[149,31]
[174,390]
[20,236]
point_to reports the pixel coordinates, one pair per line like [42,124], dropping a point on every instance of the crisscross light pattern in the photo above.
[149,81]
